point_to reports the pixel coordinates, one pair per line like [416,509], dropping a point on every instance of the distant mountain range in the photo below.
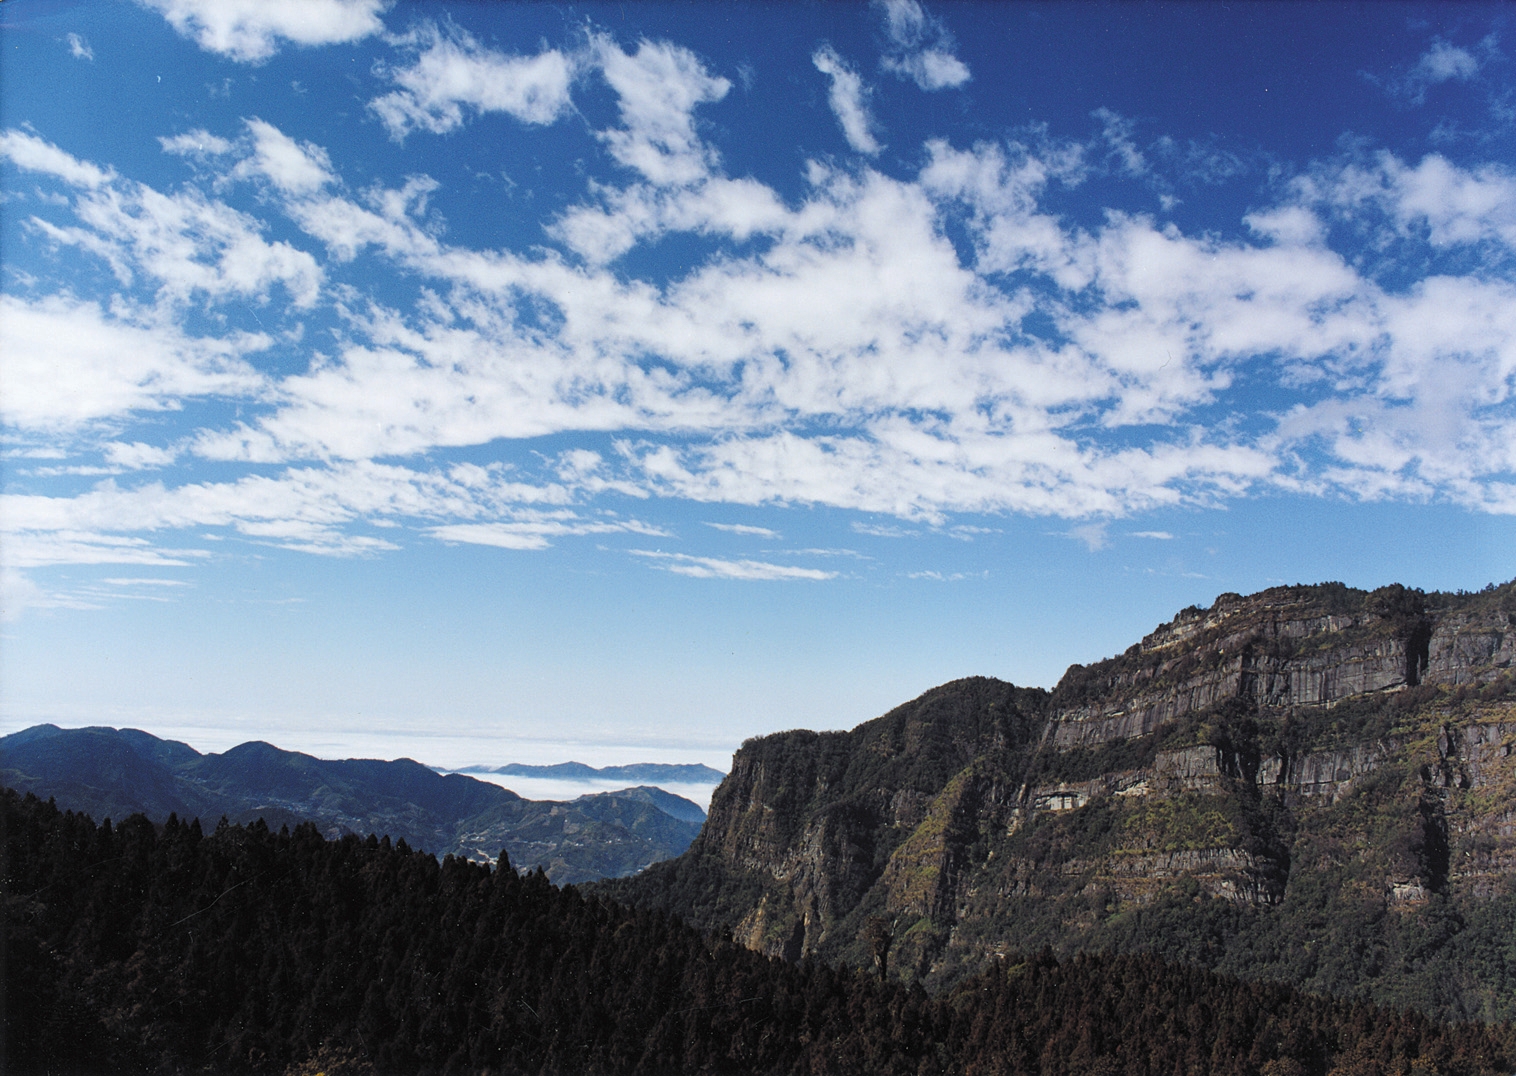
[642,773]
[114,773]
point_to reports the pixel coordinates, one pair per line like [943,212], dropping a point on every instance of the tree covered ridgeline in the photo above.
[139,949]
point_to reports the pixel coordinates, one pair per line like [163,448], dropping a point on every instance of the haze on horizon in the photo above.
[525,383]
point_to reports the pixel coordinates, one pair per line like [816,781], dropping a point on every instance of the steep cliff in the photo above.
[1311,783]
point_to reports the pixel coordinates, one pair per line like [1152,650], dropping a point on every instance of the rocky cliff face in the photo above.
[1311,783]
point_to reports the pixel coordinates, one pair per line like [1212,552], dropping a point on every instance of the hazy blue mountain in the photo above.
[114,773]
[667,802]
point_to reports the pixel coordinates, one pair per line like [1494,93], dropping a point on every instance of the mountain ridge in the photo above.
[1314,784]
[110,773]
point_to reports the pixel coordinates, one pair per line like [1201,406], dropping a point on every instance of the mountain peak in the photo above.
[1307,761]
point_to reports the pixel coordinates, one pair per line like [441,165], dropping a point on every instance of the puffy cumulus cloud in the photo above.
[249,31]
[294,168]
[452,71]
[32,154]
[717,206]
[198,143]
[658,88]
[79,48]
[920,47]
[69,363]
[720,568]
[1002,189]
[1454,206]
[1435,402]
[188,245]
[138,456]
[849,100]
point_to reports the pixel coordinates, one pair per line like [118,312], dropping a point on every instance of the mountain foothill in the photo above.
[1275,836]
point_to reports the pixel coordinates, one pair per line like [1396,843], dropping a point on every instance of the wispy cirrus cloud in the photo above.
[744,529]
[920,47]
[536,529]
[721,568]
[1442,62]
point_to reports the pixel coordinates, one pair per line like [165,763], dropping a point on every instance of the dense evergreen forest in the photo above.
[144,949]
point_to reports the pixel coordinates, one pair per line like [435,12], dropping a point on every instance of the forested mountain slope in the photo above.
[165,949]
[1310,784]
[113,773]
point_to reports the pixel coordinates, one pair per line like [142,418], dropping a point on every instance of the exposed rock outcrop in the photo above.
[1303,756]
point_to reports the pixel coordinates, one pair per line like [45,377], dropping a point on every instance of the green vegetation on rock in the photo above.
[1310,784]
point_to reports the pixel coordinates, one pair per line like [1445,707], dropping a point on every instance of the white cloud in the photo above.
[851,357]
[849,100]
[717,568]
[1093,535]
[197,143]
[188,244]
[1442,62]
[297,169]
[920,47]
[1117,131]
[18,593]
[658,89]
[69,363]
[537,528]
[33,154]
[148,582]
[249,31]
[745,529]
[137,456]
[79,48]
[33,549]
[452,70]
[717,206]
[860,313]
[1456,206]
[319,509]
[884,530]
[1161,536]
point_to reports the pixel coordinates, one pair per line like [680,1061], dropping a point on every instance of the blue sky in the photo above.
[519,382]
